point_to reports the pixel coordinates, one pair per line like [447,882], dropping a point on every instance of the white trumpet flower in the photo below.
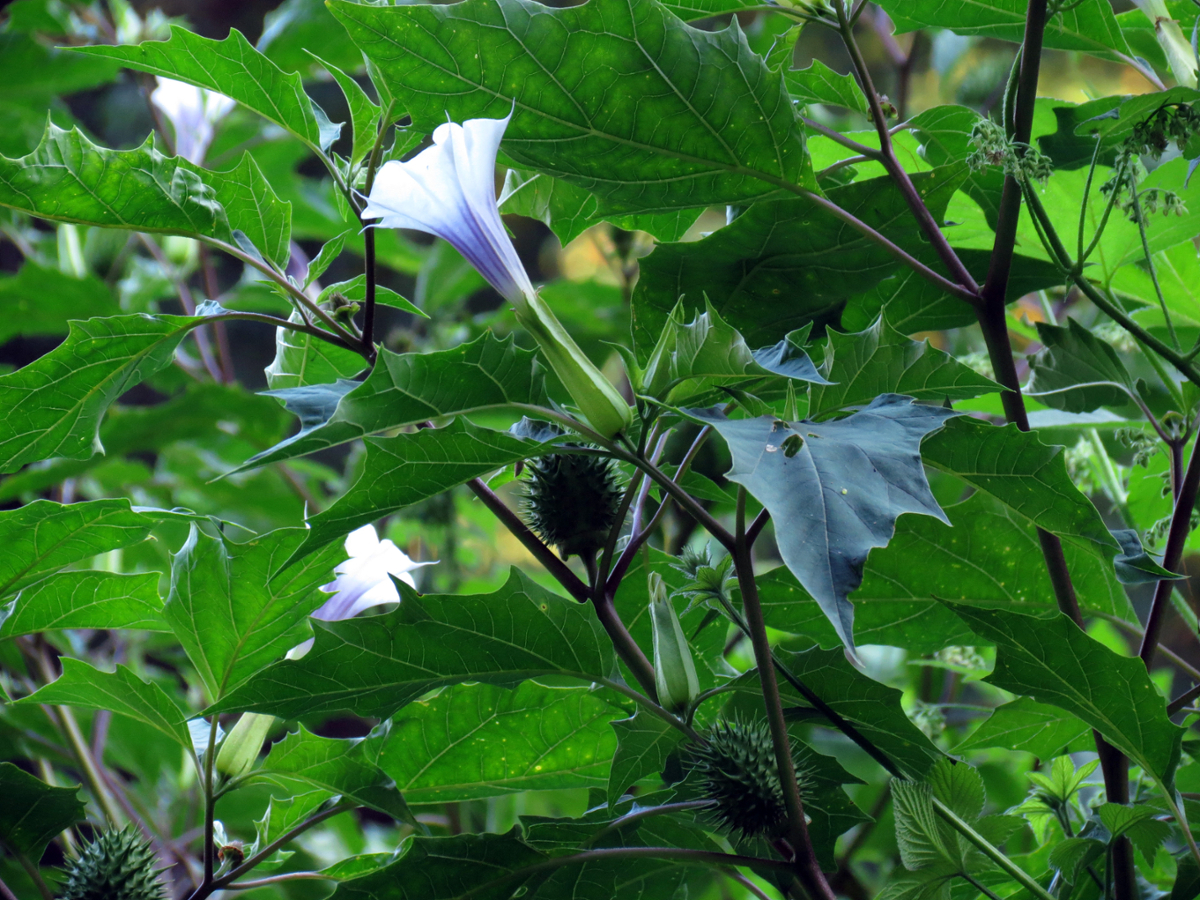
[194,112]
[364,580]
[449,190]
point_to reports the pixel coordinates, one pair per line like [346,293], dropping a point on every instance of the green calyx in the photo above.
[674,670]
[118,865]
[604,408]
[572,501]
[739,773]
[241,746]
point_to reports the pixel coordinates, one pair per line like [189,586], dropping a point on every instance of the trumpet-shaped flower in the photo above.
[194,112]
[449,190]
[364,580]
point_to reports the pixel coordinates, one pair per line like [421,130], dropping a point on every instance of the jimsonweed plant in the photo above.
[634,449]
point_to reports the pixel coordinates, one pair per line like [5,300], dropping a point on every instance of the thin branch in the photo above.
[838,138]
[807,869]
[265,853]
[5,892]
[887,156]
[1183,700]
[277,879]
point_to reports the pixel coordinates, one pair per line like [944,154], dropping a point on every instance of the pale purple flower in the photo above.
[449,190]
[194,112]
[364,580]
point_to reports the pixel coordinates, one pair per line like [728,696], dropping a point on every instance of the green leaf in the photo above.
[1135,564]
[1021,472]
[364,113]
[304,360]
[1089,25]
[1137,823]
[42,537]
[234,68]
[1073,855]
[449,868]
[1024,724]
[692,10]
[70,179]
[783,264]
[565,72]
[881,360]
[330,251]
[410,388]
[122,692]
[38,301]
[33,812]
[698,356]
[340,766]
[54,405]
[873,708]
[834,489]
[989,557]
[1073,356]
[376,665]
[356,290]
[236,608]
[820,84]
[1054,662]
[408,468]
[85,600]
[644,742]
[475,741]
[569,210]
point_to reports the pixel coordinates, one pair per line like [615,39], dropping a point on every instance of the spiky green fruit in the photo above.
[572,501]
[739,773]
[118,865]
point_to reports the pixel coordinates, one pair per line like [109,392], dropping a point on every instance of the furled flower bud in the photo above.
[674,671]
[240,748]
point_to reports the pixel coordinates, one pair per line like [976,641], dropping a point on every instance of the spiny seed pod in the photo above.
[118,865]
[674,671]
[571,501]
[739,773]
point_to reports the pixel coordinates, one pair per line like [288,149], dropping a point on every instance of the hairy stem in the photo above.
[807,870]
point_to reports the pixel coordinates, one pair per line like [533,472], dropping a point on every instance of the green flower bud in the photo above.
[603,407]
[240,748]
[674,671]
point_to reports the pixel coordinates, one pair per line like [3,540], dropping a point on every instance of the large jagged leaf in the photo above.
[85,600]
[33,812]
[53,406]
[234,68]
[880,360]
[39,300]
[1071,356]
[121,692]
[1024,724]
[475,741]
[411,388]
[408,468]
[451,868]
[338,765]
[785,263]
[990,556]
[563,74]
[236,608]
[70,179]
[376,665]
[644,742]
[834,489]
[1054,662]
[1021,472]
[693,10]
[42,537]
[1088,25]
[569,210]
